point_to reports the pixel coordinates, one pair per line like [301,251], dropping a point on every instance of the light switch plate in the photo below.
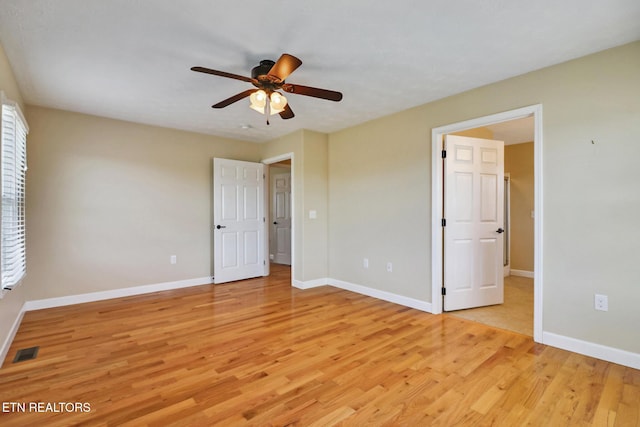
[313,214]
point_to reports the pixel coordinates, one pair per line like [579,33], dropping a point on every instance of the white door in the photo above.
[473,233]
[238,219]
[281,218]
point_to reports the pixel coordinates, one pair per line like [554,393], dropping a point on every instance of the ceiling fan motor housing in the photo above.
[261,74]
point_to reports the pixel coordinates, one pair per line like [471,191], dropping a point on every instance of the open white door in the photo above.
[473,233]
[238,218]
[281,218]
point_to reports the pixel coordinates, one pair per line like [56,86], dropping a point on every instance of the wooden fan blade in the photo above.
[222,74]
[285,65]
[287,113]
[331,95]
[234,98]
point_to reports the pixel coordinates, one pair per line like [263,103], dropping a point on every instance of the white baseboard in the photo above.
[365,290]
[12,333]
[383,295]
[522,273]
[610,354]
[310,283]
[115,293]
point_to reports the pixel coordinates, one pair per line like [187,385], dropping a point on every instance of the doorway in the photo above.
[535,112]
[280,212]
[276,165]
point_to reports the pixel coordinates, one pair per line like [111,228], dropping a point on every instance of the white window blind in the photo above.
[12,218]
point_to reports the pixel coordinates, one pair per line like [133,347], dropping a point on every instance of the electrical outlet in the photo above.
[389,267]
[173,259]
[365,263]
[601,302]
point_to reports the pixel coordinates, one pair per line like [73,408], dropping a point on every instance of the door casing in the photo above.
[267,195]
[437,136]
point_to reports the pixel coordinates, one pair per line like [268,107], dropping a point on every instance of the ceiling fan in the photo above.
[268,78]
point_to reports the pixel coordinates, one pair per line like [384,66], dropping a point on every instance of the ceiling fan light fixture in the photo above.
[278,103]
[268,78]
[258,101]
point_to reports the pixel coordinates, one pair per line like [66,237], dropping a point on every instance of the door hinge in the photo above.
[264,262]
[444,154]
[443,222]
[444,291]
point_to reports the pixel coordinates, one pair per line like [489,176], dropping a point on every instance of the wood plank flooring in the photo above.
[262,353]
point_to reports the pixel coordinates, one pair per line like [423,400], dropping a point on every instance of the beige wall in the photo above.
[12,302]
[315,236]
[310,192]
[109,201]
[518,162]
[379,204]
[380,192]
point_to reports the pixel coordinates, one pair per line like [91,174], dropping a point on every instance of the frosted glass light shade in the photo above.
[278,102]
[258,101]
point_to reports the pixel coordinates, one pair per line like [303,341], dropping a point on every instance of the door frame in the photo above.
[267,196]
[507,219]
[437,169]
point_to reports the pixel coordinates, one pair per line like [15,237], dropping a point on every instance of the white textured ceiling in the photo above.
[130,59]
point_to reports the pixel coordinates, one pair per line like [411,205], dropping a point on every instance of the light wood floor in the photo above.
[259,352]
[516,314]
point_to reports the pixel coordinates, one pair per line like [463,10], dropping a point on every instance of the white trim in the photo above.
[436,203]
[383,295]
[279,158]
[365,290]
[6,345]
[522,273]
[310,283]
[610,354]
[14,104]
[507,191]
[294,225]
[115,293]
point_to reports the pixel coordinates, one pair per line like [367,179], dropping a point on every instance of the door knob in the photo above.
[500,230]
[275,222]
[220,226]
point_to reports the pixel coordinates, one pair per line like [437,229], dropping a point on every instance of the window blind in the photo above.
[12,215]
